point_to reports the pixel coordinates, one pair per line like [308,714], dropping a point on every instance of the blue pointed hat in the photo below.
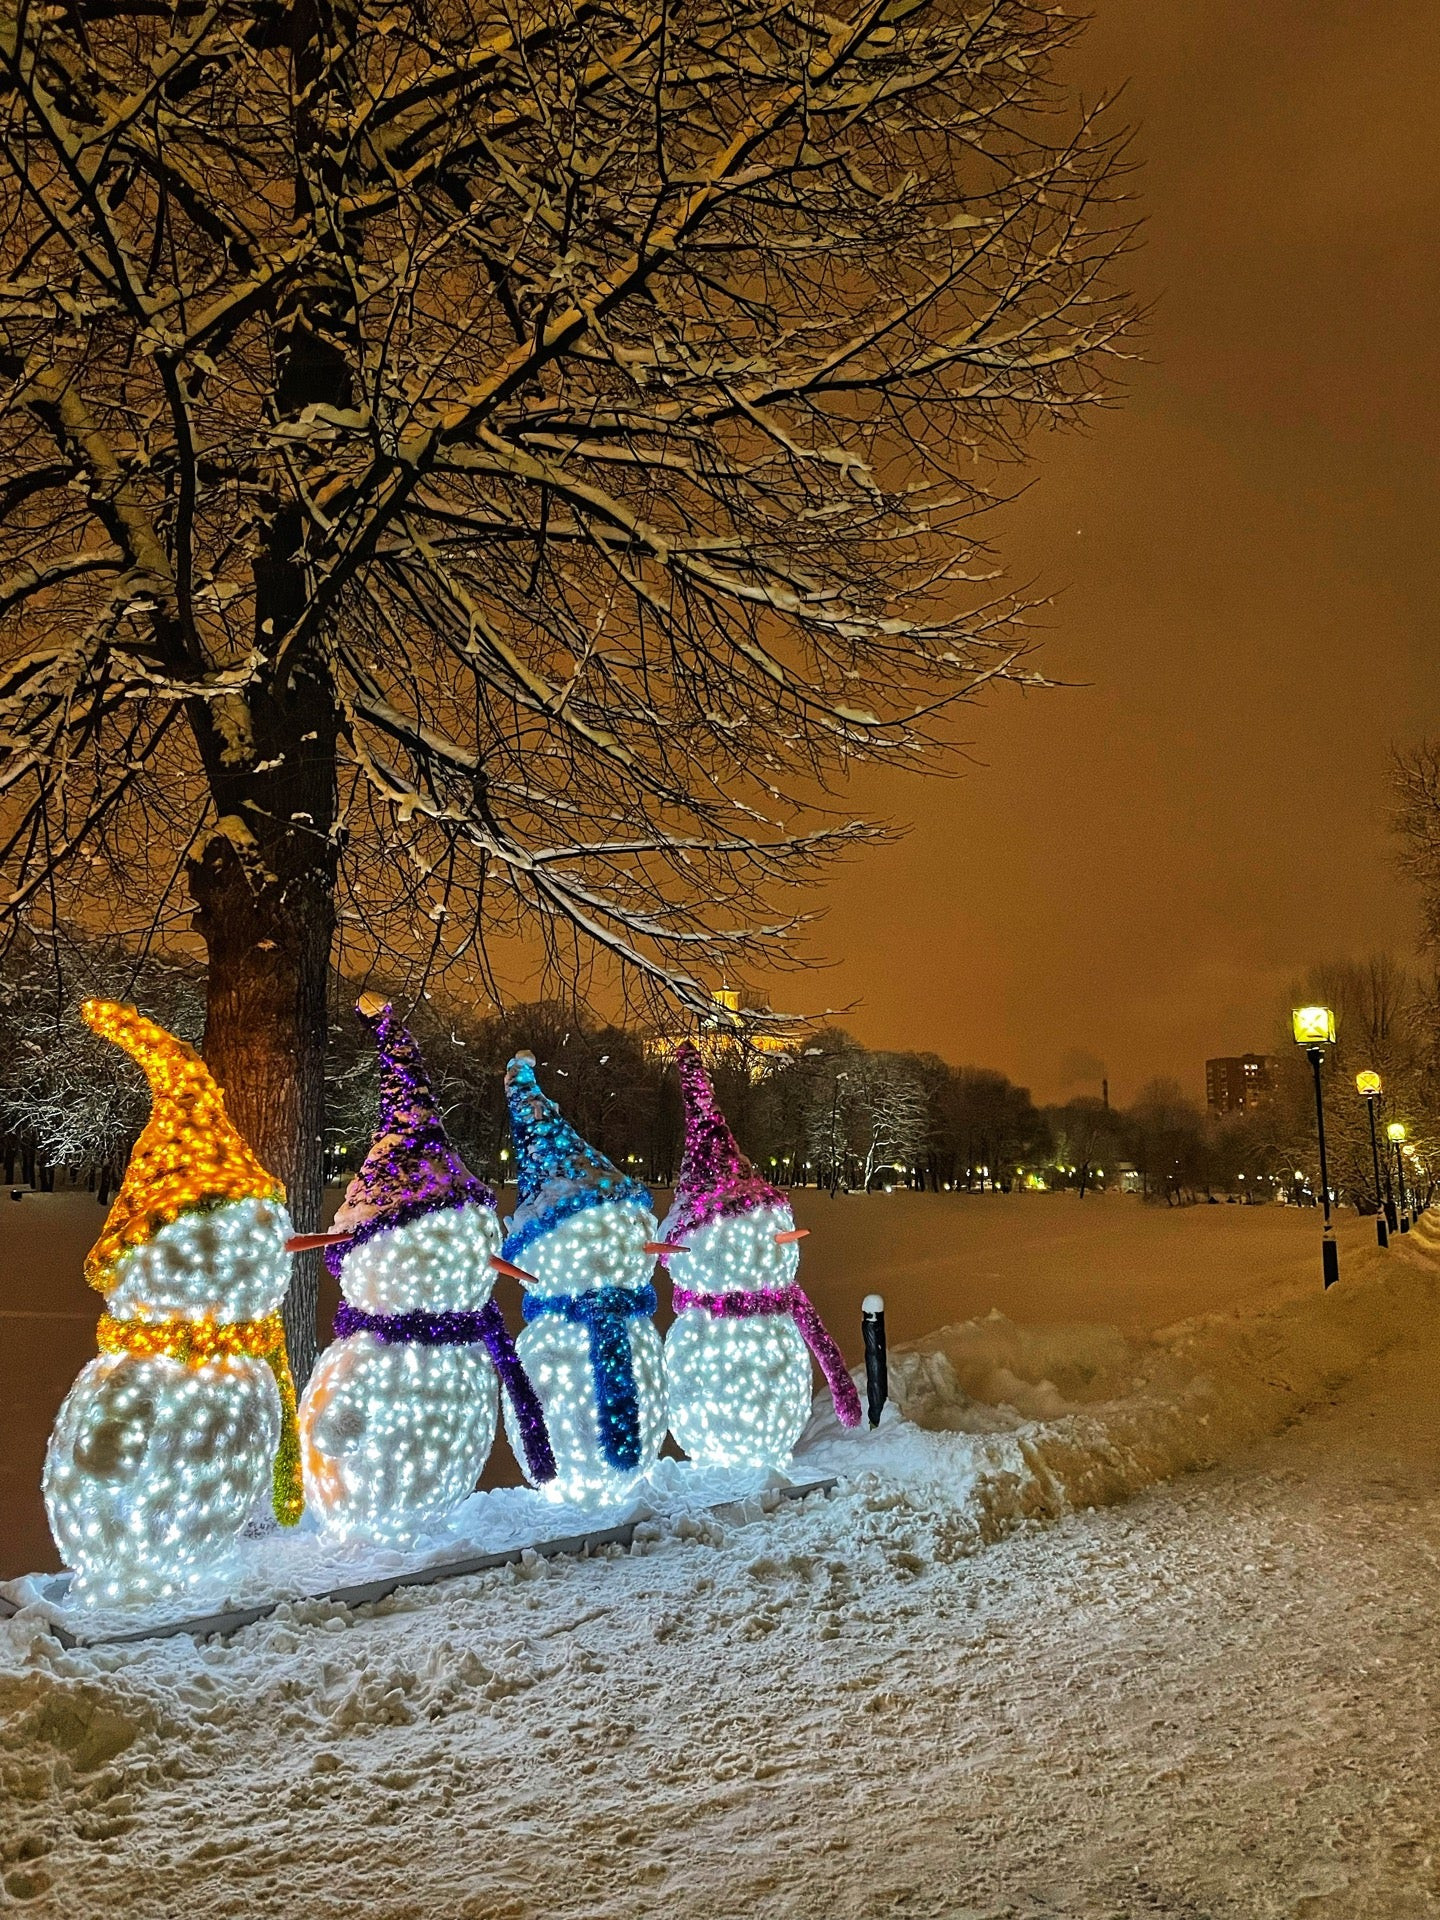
[558,1174]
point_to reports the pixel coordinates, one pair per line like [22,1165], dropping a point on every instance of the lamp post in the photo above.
[1392,1216]
[1314,1030]
[1395,1134]
[1367,1085]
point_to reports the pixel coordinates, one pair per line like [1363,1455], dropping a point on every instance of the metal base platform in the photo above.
[366,1592]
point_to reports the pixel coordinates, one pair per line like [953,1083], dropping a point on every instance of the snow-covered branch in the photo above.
[535,451]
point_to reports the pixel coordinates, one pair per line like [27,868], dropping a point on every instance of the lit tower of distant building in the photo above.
[731,1034]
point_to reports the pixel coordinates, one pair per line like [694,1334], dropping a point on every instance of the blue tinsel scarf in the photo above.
[606,1312]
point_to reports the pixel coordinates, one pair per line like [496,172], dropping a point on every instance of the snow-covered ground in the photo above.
[1009,1668]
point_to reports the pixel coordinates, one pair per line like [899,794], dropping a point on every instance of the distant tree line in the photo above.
[824,1112]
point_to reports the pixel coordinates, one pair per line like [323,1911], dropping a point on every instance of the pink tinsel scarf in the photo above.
[740,1305]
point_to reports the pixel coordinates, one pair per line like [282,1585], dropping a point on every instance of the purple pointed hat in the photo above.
[716,1180]
[411,1168]
[557,1173]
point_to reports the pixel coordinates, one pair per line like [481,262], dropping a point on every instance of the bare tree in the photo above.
[817,1085]
[888,1113]
[989,1124]
[863,1111]
[1416,782]
[479,465]
[76,1099]
[1415,778]
[1084,1130]
[1167,1141]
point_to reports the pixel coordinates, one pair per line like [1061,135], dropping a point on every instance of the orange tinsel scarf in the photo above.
[194,1342]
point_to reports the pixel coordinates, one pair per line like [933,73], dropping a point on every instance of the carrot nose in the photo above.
[795,1233]
[515,1273]
[664,1246]
[307,1242]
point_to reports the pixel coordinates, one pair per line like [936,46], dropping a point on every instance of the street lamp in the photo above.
[1395,1134]
[1367,1085]
[1314,1030]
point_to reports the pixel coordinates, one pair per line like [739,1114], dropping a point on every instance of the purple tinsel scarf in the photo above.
[738,1304]
[464,1330]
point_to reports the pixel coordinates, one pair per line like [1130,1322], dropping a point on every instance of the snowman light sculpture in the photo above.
[399,1415]
[736,1358]
[583,1241]
[163,1446]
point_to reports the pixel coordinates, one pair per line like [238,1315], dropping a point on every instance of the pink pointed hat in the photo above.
[411,1169]
[716,1180]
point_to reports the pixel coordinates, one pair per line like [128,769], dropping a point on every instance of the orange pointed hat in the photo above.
[189,1155]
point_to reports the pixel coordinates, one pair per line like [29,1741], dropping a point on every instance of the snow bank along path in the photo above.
[1215,1700]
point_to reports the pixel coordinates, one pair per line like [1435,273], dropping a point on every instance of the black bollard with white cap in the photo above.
[877,1376]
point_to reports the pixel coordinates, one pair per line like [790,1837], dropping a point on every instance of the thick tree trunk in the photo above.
[264,883]
[265,1023]
[264,891]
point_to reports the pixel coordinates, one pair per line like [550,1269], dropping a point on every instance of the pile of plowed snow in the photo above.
[1014,1423]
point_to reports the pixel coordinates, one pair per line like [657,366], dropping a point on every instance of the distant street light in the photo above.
[1395,1134]
[1314,1030]
[1367,1085]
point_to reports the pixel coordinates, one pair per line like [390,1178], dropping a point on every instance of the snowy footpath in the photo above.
[1095,1626]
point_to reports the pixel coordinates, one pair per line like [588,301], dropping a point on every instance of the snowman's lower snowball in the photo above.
[556,1354]
[739,1388]
[154,1467]
[394,1436]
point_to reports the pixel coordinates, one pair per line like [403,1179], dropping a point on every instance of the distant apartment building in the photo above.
[1240,1085]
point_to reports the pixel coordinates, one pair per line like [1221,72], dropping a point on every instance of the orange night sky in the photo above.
[1244,564]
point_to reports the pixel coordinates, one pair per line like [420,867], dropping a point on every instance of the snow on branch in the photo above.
[555,434]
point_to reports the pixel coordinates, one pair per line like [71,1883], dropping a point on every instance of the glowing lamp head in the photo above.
[1313,1026]
[1396,1132]
[1367,1084]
